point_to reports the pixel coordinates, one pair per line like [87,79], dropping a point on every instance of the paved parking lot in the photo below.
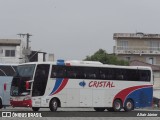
[67,113]
[68,109]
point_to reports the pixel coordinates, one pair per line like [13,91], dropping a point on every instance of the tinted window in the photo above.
[58,71]
[98,73]
[72,72]
[25,70]
[144,75]
[106,73]
[7,70]
[40,79]
[91,73]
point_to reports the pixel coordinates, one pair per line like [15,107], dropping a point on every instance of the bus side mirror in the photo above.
[27,85]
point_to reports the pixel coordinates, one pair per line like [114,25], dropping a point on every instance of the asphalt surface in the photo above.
[84,113]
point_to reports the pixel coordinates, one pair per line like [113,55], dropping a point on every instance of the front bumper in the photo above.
[24,103]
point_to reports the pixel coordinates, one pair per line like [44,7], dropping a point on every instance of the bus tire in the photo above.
[35,108]
[110,109]
[129,105]
[53,105]
[117,105]
[1,106]
[99,109]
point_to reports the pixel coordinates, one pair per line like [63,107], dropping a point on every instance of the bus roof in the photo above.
[91,64]
[7,64]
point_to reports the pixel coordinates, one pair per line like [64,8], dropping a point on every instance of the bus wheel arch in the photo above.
[117,104]
[99,109]
[35,108]
[129,105]
[54,104]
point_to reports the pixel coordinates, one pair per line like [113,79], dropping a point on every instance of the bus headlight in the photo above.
[27,98]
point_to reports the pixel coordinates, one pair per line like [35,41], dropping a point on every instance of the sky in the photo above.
[73,29]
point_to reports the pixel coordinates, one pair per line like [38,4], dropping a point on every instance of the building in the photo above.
[139,49]
[14,51]
[138,46]
[11,51]
[37,56]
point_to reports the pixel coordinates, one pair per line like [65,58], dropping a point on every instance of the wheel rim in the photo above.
[117,105]
[129,105]
[54,104]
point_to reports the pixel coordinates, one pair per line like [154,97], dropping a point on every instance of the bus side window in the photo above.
[70,72]
[131,75]
[110,74]
[54,71]
[7,70]
[2,73]
[91,73]
[118,74]
[58,72]
[78,72]
[144,75]
[102,75]
[122,74]
[148,75]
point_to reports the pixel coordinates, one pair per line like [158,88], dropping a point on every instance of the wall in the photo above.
[156,83]
[142,57]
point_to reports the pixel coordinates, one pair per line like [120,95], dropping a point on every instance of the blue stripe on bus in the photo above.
[58,80]
[142,97]
[57,84]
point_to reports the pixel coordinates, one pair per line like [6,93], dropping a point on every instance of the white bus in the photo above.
[6,75]
[82,84]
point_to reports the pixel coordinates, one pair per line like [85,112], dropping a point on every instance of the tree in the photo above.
[105,58]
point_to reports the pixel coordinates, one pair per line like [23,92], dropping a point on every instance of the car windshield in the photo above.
[25,70]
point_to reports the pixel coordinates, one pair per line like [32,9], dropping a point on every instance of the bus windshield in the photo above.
[25,70]
[24,73]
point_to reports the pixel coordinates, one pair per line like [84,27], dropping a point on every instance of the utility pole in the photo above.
[27,50]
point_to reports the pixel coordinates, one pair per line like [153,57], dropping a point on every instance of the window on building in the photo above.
[10,53]
[151,60]
[123,44]
[154,45]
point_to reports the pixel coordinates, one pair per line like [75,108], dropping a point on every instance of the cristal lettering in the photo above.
[112,85]
[95,84]
[90,84]
[108,84]
[99,84]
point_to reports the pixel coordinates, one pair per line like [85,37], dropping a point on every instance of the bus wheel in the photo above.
[99,109]
[110,109]
[129,105]
[35,108]
[53,105]
[117,105]
[1,106]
